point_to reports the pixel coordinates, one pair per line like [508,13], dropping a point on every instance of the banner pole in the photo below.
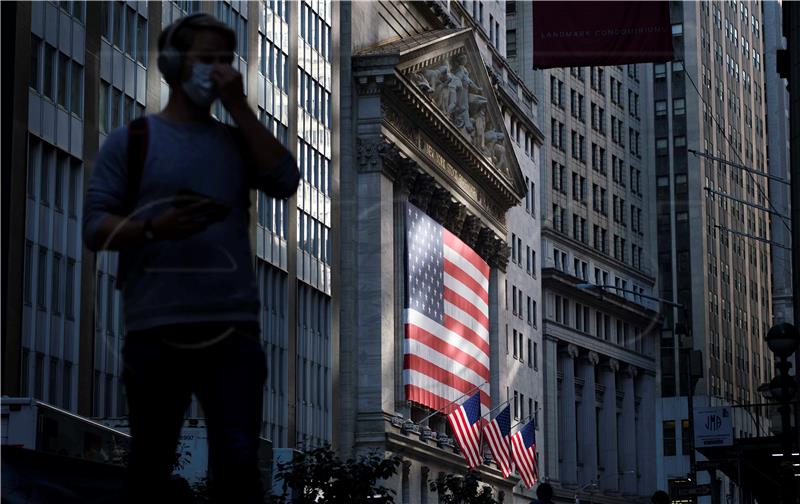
[495,409]
[454,401]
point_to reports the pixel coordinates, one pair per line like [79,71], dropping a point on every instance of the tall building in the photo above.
[435,118]
[712,218]
[599,354]
[84,69]
[777,116]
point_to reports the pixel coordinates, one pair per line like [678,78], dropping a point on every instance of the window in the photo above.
[28,273]
[660,70]
[49,68]
[63,79]
[686,439]
[661,108]
[677,66]
[677,29]
[679,106]
[61,168]
[141,40]
[516,405]
[36,57]
[105,101]
[661,145]
[668,434]
[511,44]
[41,279]
[679,141]
[44,175]
[56,286]
[76,98]
[116,106]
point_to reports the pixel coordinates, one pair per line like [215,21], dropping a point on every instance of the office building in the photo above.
[84,69]
[777,127]
[712,220]
[599,354]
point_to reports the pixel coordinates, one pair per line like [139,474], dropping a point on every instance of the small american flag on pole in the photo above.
[523,451]
[496,433]
[446,345]
[466,424]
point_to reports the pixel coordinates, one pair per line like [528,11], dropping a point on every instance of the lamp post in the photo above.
[783,340]
[686,329]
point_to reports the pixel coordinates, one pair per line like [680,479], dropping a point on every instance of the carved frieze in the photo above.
[449,86]
[400,124]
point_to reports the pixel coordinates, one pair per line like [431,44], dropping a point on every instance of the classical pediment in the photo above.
[441,83]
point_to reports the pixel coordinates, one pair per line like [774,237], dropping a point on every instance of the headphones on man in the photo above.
[170,59]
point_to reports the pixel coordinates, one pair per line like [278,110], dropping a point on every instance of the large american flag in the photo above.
[496,433]
[446,346]
[523,451]
[466,423]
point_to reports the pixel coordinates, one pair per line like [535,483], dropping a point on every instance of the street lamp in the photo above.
[783,340]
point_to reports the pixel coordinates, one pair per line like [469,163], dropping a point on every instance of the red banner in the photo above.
[573,34]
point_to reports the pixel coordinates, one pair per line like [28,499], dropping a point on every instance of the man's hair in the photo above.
[183,39]
[660,497]
[544,491]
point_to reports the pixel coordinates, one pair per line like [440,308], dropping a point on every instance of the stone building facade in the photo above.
[452,151]
[599,333]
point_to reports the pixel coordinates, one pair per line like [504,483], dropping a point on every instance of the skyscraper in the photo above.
[712,216]
[84,69]
[600,335]
[777,117]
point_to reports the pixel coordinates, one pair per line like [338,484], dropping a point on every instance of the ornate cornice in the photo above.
[377,154]
[459,110]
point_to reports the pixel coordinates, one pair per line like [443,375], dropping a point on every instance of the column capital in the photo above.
[612,364]
[570,351]
[630,371]
[592,357]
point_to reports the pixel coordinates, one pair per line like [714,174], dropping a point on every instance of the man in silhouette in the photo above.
[171,193]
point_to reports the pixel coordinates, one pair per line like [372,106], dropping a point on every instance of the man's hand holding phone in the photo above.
[190,213]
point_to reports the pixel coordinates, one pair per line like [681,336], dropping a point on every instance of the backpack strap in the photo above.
[138,140]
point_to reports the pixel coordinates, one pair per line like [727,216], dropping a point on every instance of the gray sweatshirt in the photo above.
[208,276]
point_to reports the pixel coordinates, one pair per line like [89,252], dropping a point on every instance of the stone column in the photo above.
[374,288]
[645,432]
[566,405]
[550,412]
[627,443]
[587,420]
[608,427]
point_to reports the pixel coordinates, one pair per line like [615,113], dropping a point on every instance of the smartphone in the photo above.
[186,197]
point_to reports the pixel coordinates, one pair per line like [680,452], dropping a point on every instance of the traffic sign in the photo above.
[707,465]
[692,491]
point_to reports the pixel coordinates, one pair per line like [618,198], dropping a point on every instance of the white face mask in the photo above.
[200,88]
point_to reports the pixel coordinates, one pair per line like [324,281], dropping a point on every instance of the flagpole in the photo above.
[452,402]
[523,421]
[496,408]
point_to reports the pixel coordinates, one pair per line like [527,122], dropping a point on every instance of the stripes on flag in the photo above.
[496,433]
[446,317]
[523,452]
[465,421]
